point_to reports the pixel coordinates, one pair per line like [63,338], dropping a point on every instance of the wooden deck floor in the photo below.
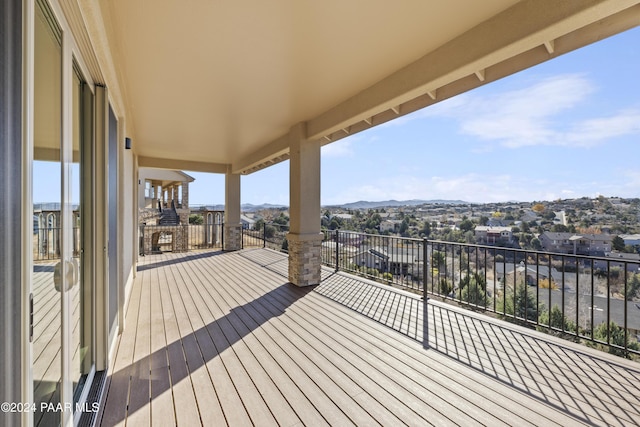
[222,339]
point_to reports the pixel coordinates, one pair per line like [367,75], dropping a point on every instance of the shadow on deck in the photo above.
[226,340]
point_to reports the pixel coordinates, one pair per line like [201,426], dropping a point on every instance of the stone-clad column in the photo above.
[305,239]
[232,224]
[174,194]
[185,195]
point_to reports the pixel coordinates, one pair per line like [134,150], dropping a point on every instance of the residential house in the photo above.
[533,273]
[570,243]
[160,188]
[631,239]
[390,225]
[398,261]
[560,218]
[629,262]
[247,223]
[493,235]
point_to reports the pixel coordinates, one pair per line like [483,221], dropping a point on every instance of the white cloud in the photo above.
[626,184]
[349,146]
[539,114]
[483,188]
[522,117]
[340,148]
[595,131]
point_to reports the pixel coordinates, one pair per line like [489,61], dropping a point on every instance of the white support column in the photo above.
[305,239]
[232,224]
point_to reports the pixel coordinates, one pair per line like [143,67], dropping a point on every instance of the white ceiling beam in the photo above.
[176,164]
[550,46]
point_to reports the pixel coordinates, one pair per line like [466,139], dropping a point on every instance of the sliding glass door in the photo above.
[62,287]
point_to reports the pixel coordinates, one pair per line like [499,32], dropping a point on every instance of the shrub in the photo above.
[196,219]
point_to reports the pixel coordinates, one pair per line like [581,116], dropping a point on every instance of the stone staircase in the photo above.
[169,217]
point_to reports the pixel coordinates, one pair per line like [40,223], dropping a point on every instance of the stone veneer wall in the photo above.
[232,237]
[305,258]
[183,214]
[180,240]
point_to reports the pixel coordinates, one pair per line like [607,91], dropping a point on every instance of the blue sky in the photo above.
[566,128]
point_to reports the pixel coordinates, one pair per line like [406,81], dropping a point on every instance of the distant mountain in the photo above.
[397,203]
[246,207]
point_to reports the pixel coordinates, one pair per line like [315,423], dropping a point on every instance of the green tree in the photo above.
[269,231]
[616,337]
[335,223]
[474,289]
[633,286]
[556,319]
[523,306]
[404,226]
[444,286]
[618,244]
[196,219]
[282,219]
[426,229]
[535,244]
[466,225]
[372,272]
[438,259]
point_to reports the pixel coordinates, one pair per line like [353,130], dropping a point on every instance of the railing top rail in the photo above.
[532,251]
[412,239]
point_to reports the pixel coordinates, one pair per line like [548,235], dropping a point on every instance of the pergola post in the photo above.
[305,239]
[232,224]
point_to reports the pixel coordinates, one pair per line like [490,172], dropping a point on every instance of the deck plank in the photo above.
[181,341]
[231,342]
[114,412]
[139,409]
[211,304]
[162,405]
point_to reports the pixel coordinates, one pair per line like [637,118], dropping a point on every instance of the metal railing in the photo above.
[388,259]
[180,238]
[46,243]
[263,235]
[596,299]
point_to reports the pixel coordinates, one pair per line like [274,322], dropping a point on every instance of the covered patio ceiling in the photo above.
[216,86]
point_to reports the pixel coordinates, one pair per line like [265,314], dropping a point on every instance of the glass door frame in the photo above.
[70,58]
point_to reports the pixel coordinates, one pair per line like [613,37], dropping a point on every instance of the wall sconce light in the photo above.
[127,143]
